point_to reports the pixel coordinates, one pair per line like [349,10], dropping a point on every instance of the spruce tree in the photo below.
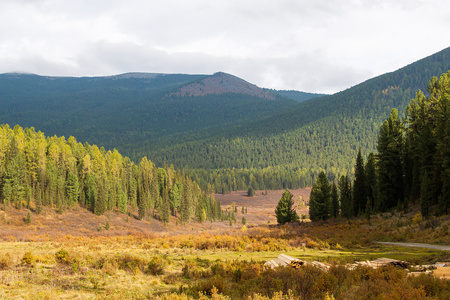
[426,195]
[359,186]
[320,199]
[335,207]
[72,188]
[389,163]
[371,182]
[345,196]
[284,211]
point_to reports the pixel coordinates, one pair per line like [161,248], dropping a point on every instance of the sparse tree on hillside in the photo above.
[284,211]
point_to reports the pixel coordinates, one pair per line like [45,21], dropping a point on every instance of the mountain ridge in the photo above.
[241,138]
[221,83]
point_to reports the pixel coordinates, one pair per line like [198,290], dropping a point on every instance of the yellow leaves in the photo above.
[86,164]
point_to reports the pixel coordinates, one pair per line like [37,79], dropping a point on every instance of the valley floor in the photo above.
[68,256]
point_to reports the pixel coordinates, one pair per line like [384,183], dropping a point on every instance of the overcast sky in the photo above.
[310,45]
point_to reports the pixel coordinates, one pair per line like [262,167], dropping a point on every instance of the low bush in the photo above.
[6,261]
[156,265]
[62,256]
[28,258]
[131,263]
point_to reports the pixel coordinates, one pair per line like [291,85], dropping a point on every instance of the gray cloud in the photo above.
[317,46]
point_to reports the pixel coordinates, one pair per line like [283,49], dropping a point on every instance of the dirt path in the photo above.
[418,245]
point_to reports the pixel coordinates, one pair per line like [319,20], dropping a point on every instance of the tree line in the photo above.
[412,163]
[51,172]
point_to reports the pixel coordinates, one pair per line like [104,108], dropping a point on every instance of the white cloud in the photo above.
[319,46]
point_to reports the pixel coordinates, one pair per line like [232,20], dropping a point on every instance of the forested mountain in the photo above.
[289,149]
[297,95]
[220,129]
[134,112]
[411,163]
[39,172]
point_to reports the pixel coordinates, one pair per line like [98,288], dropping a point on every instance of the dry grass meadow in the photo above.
[74,256]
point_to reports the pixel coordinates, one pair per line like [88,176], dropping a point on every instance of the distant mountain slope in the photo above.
[221,83]
[133,112]
[297,95]
[290,148]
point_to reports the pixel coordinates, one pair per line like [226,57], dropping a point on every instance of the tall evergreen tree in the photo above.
[390,168]
[335,207]
[359,186]
[444,146]
[426,195]
[371,179]
[319,201]
[345,196]
[284,211]
[72,188]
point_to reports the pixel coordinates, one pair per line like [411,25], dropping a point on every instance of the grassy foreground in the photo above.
[228,265]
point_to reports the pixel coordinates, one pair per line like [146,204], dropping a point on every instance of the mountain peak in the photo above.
[221,83]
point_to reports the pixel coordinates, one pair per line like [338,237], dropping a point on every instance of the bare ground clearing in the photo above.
[80,222]
[261,207]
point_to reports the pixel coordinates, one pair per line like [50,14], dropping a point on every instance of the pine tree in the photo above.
[444,146]
[335,207]
[174,197]
[320,199]
[359,186]
[345,196]
[101,198]
[284,211]
[72,188]
[165,206]
[371,182]
[426,195]
[390,167]
[38,199]
[141,203]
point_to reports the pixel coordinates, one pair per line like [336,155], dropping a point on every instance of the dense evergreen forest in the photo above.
[289,149]
[230,141]
[411,165]
[41,172]
[134,113]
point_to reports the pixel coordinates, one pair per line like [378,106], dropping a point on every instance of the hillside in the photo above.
[289,149]
[297,95]
[42,173]
[134,112]
[219,128]
[221,83]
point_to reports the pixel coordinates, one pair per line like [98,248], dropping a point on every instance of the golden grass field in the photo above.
[68,256]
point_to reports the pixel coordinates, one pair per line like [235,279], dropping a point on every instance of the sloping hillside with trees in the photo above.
[41,172]
[411,165]
[290,149]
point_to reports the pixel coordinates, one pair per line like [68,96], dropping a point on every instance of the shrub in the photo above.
[433,287]
[28,218]
[131,263]
[62,256]
[28,258]
[156,266]
[6,261]
[417,218]
[210,286]
[191,270]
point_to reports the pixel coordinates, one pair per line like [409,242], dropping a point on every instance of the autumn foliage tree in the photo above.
[52,172]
